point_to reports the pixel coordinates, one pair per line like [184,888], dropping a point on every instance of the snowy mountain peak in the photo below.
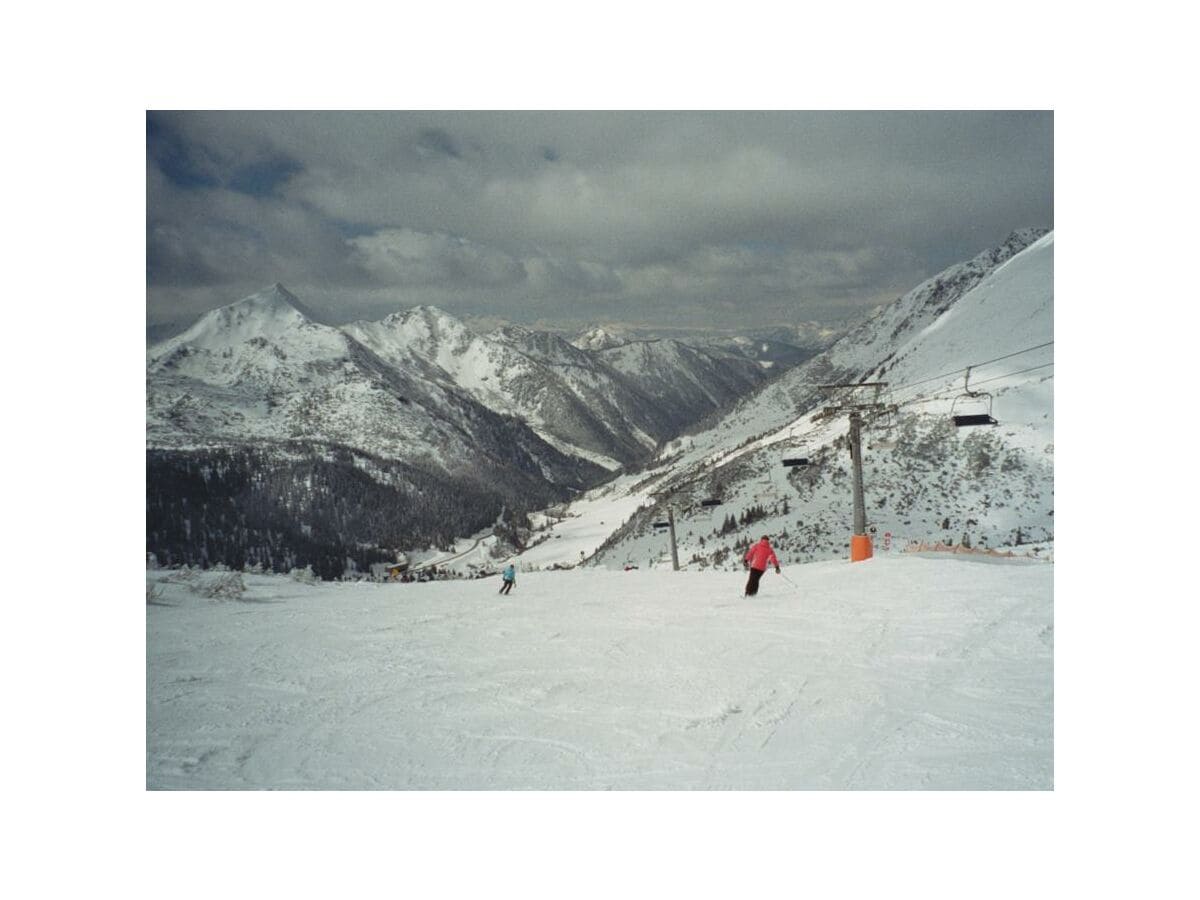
[421,312]
[598,337]
[427,324]
[267,315]
[423,332]
[271,301]
[542,346]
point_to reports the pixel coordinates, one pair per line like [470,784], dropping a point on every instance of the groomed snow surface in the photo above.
[895,673]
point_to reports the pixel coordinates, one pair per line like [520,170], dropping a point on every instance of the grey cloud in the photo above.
[435,142]
[658,214]
[548,276]
[407,257]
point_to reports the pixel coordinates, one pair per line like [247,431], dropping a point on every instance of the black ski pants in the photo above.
[506,587]
[752,584]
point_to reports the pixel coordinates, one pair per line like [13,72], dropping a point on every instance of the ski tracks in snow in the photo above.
[600,683]
[944,709]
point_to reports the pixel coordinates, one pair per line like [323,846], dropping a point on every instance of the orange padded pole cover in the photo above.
[860,547]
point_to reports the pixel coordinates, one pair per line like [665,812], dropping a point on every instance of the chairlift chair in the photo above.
[884,426]
[974,398]
[766,488]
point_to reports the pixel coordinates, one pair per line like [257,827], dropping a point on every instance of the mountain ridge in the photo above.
[418,400]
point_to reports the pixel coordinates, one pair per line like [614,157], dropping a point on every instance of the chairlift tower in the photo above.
[860,506]
[674,546]
[670,525]
[860,541]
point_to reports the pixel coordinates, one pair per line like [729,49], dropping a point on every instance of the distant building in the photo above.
[390,571]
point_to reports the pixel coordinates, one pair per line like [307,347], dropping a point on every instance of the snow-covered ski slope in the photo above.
[897,673]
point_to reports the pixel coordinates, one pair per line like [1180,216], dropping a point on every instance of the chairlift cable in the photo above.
[975,365]
[956,392]
[1012,374]
[985,381]
[953,394]
[904,387]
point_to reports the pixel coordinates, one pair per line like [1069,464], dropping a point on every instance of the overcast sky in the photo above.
[657,219]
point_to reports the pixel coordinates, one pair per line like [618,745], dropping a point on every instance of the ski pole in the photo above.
[788,580]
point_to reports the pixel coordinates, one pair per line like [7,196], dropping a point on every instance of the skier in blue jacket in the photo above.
[508,579]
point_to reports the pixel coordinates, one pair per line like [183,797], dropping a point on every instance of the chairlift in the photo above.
[766,488]
[796,461]
[662,524]
[974,398]
[710,502]
[885,443]
[884,426]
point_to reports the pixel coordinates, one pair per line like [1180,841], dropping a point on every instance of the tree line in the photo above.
[332,508]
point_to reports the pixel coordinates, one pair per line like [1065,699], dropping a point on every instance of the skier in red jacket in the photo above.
[757,558]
